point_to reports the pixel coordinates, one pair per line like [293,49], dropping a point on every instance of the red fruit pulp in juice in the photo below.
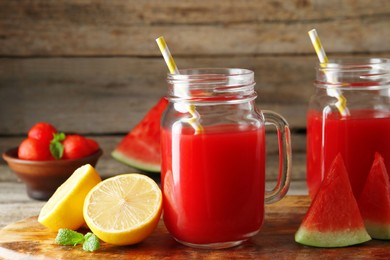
[213,183]
[356,138]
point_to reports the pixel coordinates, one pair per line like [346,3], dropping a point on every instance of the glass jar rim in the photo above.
[215,75]
[350,63]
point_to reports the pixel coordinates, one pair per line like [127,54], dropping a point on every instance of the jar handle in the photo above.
[284,143]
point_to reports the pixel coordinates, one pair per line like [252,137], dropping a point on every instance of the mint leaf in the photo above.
[91,242]
[56,147]
[69,237]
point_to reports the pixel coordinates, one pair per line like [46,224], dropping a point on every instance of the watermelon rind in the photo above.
[331,239]
[136,163]
[377,230]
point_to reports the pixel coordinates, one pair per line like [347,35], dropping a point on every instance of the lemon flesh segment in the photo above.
[64,209]
[123,210]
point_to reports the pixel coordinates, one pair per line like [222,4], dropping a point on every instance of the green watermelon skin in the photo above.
[140,148]
[331,239]
[374,201]
[333,219]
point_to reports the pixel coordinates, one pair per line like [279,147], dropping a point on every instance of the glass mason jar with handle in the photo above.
[213,158]
[349,114]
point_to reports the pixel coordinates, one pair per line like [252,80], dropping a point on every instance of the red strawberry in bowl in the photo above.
[45,143]
[77,146]
[93,145]
[33,149]
[42,132]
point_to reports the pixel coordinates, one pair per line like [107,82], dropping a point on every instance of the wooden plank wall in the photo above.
[93,67]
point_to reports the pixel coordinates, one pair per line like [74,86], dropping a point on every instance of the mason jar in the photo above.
[349,114]
[213,157]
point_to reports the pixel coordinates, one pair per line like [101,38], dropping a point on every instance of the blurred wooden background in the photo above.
[93,67]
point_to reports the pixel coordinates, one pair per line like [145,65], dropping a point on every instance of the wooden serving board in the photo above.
[28,239]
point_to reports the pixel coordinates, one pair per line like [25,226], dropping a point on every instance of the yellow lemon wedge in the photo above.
[64,209]
[123,210]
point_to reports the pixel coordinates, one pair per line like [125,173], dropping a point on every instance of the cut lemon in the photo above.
[124,209]
[64,209]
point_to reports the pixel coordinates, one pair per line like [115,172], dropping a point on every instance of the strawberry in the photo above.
[42,132]
[77,146]
[93,145]
[33,149]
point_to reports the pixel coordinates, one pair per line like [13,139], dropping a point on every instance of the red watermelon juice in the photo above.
[213,183]
[356,137]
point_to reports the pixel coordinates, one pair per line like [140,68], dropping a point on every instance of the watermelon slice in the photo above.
[374,202]
[141,146]
[333,219]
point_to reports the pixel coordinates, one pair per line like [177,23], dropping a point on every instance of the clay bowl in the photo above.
[42,178]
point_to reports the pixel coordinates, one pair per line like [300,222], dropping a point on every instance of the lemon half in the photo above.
[64,209]
[124,209]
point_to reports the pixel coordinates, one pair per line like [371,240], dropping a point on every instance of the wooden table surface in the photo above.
[27,239]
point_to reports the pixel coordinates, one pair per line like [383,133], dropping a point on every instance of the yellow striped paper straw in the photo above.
[167,55]
[193,121]
[315,40]
[342,101]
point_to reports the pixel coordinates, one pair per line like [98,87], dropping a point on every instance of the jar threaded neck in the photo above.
[211,85]
[354,73]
